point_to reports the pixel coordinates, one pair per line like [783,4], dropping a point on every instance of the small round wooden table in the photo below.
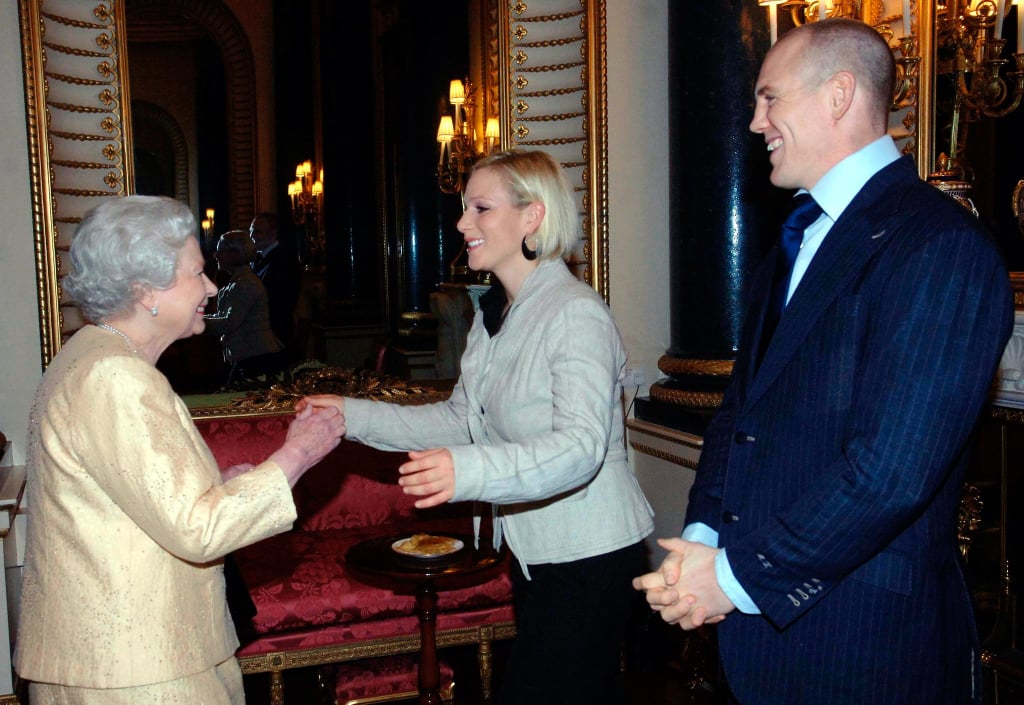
[376,558]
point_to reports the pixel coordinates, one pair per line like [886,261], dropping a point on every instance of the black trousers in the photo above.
[570,624]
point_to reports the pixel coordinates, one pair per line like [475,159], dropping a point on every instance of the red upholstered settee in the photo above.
[310,609]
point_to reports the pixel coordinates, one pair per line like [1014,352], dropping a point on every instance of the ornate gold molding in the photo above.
[685,397]
[1017,282]
[359,384]
[682,366]
[76,102]
[565,111]
[282,660]
[1010,414]
[663,455]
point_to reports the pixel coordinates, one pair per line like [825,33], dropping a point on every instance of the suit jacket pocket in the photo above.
[888,570]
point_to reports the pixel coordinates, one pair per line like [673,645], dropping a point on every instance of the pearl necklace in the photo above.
[115,331]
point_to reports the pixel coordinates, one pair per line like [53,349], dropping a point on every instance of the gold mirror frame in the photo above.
[543,62]
[76,102]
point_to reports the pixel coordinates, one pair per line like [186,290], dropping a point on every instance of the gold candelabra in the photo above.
[307,195]
[208,227]
[971,50]
[871,12]
[456,133]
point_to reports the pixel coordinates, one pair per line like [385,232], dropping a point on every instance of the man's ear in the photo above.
[841,88]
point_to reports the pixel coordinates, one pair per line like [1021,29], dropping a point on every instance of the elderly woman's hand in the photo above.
[235,470]
[312,435]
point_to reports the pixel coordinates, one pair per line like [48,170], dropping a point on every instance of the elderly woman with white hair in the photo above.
[534,426]
[123,595]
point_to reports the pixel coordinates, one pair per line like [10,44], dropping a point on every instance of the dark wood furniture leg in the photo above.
[430,671]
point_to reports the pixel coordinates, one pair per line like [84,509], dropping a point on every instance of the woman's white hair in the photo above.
[123,247]
[533,175]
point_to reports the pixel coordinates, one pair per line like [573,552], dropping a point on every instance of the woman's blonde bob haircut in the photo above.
[533,176]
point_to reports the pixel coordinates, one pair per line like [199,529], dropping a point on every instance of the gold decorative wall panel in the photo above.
[76,105]
[557,56]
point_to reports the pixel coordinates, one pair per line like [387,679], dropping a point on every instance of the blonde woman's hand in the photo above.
[322,401]
[429,474]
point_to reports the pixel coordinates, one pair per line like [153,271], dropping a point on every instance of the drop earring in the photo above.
[154,310]
[529,254]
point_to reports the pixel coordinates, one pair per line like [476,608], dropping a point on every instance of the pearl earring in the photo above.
[154,311]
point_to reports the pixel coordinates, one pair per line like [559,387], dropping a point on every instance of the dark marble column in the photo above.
[722,206]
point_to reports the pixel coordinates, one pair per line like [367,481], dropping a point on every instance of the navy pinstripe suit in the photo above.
[832,472]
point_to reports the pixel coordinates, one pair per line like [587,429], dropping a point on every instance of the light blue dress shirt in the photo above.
[833,192]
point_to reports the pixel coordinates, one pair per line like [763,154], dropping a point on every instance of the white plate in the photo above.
[456,546]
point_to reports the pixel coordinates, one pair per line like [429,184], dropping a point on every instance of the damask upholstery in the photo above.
[310,610]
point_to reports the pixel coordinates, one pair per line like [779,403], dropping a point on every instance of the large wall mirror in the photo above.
[216,102]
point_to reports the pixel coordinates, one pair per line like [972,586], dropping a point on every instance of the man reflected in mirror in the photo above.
[277,267]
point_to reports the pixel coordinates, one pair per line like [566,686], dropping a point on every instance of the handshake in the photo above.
[684,588]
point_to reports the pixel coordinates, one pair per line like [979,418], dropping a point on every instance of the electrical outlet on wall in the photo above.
[635,377]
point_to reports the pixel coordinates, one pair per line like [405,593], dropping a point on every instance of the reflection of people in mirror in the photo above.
[277,266]
[534,427]
[242,319]
[123,599]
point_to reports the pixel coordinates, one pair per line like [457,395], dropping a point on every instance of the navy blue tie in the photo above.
[805,211]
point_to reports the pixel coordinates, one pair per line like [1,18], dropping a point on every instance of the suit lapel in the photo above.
[854,239]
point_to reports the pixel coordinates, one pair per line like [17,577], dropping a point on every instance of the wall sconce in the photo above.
[306,194]
[207,226]
[456,133]
[803,11]
[972,33]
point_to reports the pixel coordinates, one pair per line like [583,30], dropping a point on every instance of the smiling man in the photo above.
[820,527]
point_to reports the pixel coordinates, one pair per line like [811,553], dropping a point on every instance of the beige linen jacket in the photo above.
[128,521]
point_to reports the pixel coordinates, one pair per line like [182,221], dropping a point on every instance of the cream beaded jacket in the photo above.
[127,522]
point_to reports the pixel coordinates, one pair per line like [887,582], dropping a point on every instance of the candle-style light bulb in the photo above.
[1020,25]
[773,18]
[492,133]
[457,97]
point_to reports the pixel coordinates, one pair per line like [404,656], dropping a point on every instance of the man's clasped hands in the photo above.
[684,589]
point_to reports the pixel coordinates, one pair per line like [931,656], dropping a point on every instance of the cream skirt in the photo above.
[221,685]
